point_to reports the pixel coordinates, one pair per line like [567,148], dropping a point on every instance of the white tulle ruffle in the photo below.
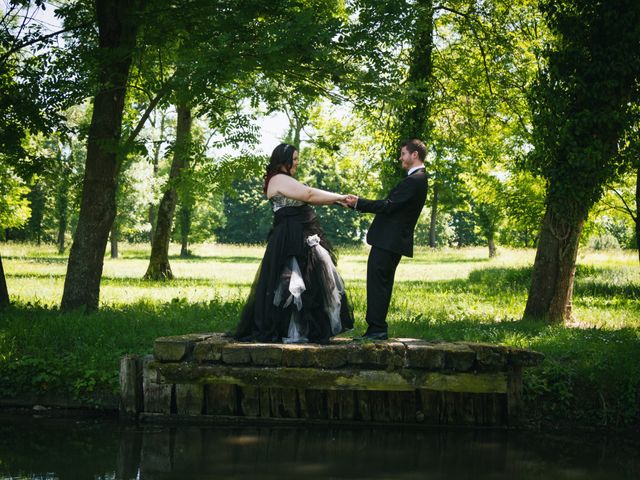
[290,291]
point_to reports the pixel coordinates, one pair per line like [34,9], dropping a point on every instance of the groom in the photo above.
[391,233]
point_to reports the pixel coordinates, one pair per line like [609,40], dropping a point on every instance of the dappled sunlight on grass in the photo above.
[444,285]
[590,376]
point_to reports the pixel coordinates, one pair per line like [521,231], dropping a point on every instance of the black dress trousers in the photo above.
[381,270]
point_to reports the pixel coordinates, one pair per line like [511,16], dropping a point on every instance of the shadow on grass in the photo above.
[600,282]
[133,256]
[37,259]
[419,261]
[142,319]
[196,258]
[140,282]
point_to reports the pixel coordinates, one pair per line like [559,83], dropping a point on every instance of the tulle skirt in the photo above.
[297,295]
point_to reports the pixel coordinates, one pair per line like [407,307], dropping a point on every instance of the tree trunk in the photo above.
[159,267]
[420,71]
[434,212]
[117,35]
[4,292]
[114,237]
[554,270]
[152,222]
[637,217]
[492,246]
[37,201]
[413,117]
[62,204]
[185,230]
[156,162]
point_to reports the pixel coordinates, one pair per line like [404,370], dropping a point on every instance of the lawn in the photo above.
[591,375]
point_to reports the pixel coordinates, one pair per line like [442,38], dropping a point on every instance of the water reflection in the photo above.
[105,449]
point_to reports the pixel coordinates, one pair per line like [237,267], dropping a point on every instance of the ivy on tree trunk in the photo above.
[583,106]
[554,269]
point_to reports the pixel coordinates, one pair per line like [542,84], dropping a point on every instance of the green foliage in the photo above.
[14,206]
[248,215]
[337,160]
[524,207]
[445,233]
[583,101]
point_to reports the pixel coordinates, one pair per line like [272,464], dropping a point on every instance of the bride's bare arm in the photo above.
[290,187]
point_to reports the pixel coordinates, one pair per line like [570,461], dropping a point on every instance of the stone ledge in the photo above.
[401,380]
[394,354]
[322,379]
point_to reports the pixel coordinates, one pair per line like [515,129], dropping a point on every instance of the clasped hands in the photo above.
[348,201]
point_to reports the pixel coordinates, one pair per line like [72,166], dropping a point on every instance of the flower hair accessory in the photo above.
[313,240]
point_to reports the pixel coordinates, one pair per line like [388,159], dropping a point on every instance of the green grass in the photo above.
[591,375]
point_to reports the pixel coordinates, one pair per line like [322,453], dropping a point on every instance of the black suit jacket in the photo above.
[396,216]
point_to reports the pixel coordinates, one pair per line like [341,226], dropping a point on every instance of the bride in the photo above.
[297,295]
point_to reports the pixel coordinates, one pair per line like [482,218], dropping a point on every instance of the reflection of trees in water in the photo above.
[70,449]
[57,448]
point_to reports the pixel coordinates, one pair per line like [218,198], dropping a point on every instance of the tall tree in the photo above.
[4,293]
[583,105]
[118,24]
[415,103]
[159,267]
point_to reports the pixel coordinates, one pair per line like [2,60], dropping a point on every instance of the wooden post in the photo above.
[130,386]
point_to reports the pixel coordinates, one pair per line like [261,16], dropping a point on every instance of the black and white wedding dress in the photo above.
[297,295]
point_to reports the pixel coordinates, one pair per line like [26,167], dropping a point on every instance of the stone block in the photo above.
[150,373]
[387,355]
[210,350]
[237,353]
[299,355]
[156,394]
[458,357]
[178,348]
[525,358]
[331,356]
[189,399]
[266,354]
[491,357]
[424,355]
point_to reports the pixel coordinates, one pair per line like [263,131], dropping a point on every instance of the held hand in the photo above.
[342,201]
[348,201]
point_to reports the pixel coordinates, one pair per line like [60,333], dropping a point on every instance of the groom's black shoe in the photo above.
[375,336]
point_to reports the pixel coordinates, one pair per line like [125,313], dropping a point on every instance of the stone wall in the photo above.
[209,376]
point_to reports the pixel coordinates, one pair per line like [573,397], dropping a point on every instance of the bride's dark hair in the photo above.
[281,155]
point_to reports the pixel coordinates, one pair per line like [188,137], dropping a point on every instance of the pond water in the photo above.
[45,448]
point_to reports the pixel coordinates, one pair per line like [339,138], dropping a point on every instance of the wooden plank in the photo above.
[189,399]
[514,395]
[221,399]
[343,379]
[250,401]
